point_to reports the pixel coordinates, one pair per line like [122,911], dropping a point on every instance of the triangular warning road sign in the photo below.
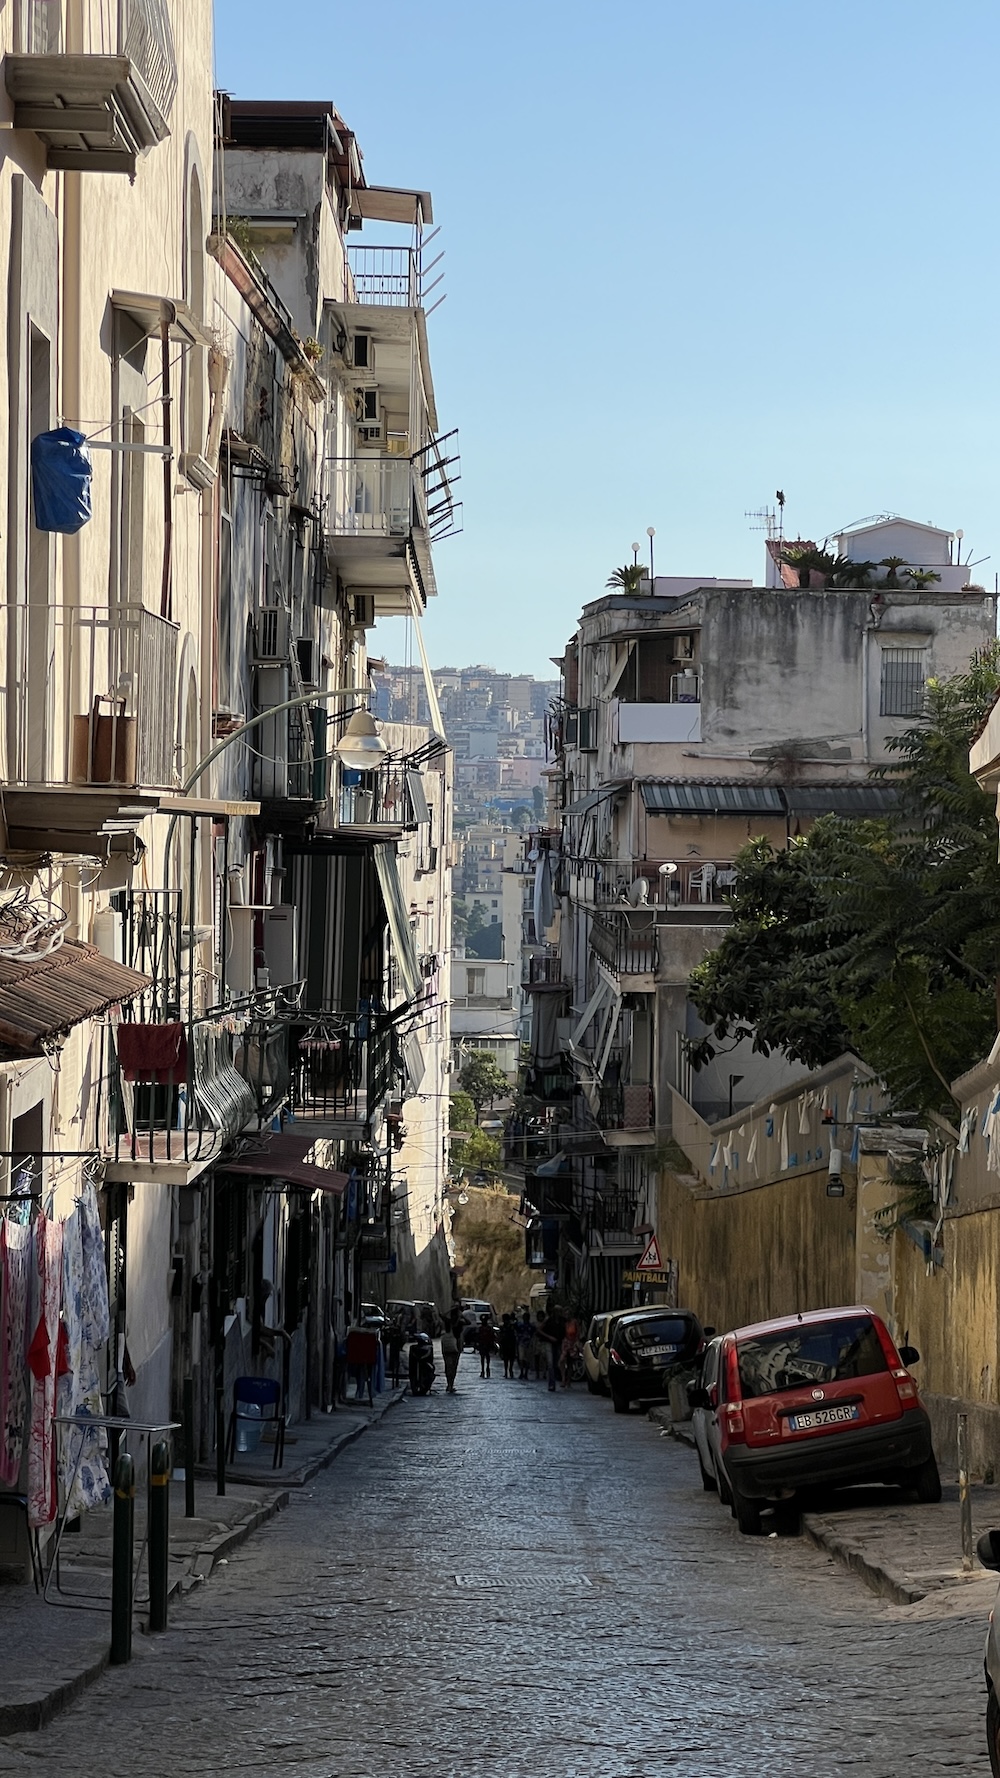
[650,1261]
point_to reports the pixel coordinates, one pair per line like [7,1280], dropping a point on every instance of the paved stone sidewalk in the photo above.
[900,1549]
[53,1649]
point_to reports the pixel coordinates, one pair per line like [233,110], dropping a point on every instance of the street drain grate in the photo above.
[501,1582]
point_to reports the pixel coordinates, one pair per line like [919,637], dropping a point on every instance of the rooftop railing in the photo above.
[387,277]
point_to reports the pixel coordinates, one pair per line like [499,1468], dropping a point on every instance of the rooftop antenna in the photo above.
[767,520]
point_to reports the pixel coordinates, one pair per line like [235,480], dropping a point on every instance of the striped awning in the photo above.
[695,798]
[41,1000]
[842,799]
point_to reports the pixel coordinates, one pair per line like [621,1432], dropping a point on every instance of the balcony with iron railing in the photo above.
[627,949]
[626,1112]
[343,1070]
[544,971]
[96,84]
[658,891]
[182,1078]
[91,705]
[377,803]
[385,277]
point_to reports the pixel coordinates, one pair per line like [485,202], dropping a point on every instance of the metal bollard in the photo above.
[159,1533]
[965,1504]
[189,1447]
[121,1561]
[220,1442]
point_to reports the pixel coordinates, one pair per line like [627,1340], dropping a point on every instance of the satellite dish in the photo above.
[638,894]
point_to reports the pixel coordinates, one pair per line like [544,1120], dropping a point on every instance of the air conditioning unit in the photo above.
[371,432]
[363,351]
[364,611]
[271,635]
[683,648]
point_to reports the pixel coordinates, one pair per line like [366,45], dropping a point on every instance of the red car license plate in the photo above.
[821,1417]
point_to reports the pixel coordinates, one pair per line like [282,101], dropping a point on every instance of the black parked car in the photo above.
[648,1347]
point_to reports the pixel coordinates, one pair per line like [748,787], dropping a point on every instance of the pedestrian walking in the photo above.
[570,1351]
[451,1352]
[553,1331]
[486,1344]
[508,1344]
[525,1344]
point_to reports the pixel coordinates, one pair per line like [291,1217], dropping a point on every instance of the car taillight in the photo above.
[735,1429]
[732,1412]
[615,1357]
[906,1388]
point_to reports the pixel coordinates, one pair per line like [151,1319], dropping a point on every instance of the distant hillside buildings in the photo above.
[496,723]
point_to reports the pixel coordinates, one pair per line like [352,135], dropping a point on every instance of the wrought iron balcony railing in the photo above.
[95,696]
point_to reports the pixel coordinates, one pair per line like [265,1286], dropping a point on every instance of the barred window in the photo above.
[903,681]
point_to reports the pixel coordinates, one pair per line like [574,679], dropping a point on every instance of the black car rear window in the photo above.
[671,1330]
[816,1352]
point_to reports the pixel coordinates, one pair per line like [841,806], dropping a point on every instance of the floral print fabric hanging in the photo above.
[86,1322]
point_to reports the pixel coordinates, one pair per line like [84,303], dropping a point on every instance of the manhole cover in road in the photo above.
[497,1582]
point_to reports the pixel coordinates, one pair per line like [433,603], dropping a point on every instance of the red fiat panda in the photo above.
[819,1400]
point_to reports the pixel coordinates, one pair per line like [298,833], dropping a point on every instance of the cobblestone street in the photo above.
[511,1582]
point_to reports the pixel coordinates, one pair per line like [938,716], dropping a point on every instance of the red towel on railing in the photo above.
[153,1052]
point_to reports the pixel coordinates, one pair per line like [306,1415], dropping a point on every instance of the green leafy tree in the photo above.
[483,1079]
[481,1154]
[475,920]
[461,1112]
[880,935]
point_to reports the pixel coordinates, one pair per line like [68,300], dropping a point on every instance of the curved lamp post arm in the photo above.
[309,697]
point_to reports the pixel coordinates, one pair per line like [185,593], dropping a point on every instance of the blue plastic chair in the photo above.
[263,1396]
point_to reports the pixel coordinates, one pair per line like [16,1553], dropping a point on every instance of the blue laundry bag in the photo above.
[60,480]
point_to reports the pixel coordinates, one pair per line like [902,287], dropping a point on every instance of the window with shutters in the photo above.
[903,679]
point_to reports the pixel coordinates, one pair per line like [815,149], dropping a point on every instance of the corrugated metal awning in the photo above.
[284,1157]
[694,798]
[41,1001]
[583,804]
[842,799]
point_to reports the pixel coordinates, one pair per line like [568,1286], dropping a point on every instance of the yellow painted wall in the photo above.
[768,1250]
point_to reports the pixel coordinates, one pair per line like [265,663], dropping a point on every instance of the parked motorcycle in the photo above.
[422,1370]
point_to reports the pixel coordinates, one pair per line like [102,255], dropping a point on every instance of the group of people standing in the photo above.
[549,1346]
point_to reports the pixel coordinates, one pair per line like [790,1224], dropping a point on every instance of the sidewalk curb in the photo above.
[35,1713]
[876,1575]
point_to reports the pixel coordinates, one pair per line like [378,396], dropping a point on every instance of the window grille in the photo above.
[902,681]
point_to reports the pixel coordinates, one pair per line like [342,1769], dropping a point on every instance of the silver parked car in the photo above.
[703,1395]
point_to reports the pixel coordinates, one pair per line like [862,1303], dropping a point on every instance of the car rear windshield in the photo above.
[816,1352]
[671,1330]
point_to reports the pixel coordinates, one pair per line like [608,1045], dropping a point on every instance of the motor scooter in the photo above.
[421,1366]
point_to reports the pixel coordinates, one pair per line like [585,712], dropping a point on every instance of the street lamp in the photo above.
[651,533]
[635,554]
[361,747]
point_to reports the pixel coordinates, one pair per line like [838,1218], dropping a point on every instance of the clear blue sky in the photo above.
[695,252]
